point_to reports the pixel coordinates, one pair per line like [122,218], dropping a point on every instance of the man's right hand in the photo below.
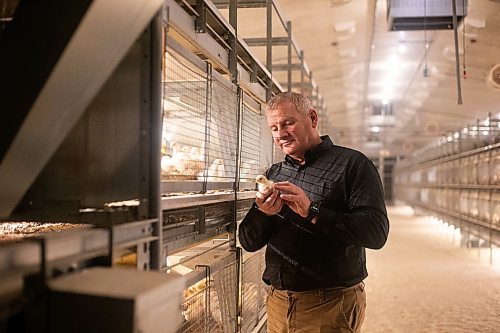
[269,201]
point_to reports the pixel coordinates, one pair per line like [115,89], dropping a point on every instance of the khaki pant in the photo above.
[317,311]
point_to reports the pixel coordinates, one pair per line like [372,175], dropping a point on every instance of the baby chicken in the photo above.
[263,183]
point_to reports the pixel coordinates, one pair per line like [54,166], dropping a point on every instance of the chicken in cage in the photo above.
[181,162]
[200,309]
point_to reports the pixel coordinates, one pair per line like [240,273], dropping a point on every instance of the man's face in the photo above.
[292,131]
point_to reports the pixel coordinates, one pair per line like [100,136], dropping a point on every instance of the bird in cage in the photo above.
[216,171]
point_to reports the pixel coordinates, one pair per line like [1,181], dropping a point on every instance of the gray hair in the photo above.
[301,103]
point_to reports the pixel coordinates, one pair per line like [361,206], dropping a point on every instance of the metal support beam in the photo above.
[233,41]
[259,41]
[289,51]
[269,46]
[302,70]
[200,22]
[253,75]
[284,67]
[457,56]
[225,4]
[156,120]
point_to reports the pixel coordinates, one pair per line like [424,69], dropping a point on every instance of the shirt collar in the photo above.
[313,153]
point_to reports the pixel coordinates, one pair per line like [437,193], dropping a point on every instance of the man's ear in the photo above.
[314,117]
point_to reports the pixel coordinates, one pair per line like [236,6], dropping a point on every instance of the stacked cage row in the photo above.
[479,168]
[463,189]
[215,142]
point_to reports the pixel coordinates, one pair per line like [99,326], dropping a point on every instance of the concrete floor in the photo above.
[422,281]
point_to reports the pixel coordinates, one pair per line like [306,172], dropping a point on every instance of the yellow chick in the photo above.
[263,183]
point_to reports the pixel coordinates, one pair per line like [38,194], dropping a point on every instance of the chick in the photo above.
[263,183]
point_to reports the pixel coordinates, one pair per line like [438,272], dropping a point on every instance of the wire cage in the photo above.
[201,309]
[251,131]
[205,307]
[184,119]
[200,126]
[187,226]
[222,135]
[253,291]
[209,303]
[495,210]
[225,281]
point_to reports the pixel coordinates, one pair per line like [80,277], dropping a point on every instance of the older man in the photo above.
[325,207]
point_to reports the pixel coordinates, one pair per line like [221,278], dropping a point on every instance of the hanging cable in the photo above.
[463,40]
[457,56]
[426,46]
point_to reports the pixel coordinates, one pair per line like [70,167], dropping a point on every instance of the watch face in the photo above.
[314,207]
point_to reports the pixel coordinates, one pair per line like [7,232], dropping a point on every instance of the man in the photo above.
[325,208]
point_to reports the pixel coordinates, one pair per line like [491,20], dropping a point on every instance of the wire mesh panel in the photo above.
[210,305]
[222,134]
[181,227]
[225,284]
[187,226]
[250,146]
[201,310]
[253,291]
[495,167]
[495,210]
[184,119]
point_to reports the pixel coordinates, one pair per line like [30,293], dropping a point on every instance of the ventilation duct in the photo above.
[423,14]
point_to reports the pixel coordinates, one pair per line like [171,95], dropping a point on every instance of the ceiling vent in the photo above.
[493,78]
[423,14]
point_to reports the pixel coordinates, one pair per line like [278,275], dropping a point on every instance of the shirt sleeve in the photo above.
[365,222]
[256,229]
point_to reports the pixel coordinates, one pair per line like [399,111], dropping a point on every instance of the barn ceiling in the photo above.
[388,92]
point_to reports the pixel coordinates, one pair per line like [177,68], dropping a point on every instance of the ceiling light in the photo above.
[476,23]
[349,26]
[402,48]
[334,3]
[375,129]
[344,30]
[347,53]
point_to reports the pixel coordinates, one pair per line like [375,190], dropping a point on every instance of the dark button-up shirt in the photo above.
[301,255]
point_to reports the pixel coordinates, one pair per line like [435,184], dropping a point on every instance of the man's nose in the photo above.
[281,133]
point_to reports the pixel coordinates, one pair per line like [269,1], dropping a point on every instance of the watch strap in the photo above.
[314,208]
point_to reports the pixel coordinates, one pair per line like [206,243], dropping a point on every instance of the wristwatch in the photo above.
[313,210]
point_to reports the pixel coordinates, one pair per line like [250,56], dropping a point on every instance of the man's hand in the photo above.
[294,197]
[269,201]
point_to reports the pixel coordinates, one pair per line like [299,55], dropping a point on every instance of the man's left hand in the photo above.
[294,197]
